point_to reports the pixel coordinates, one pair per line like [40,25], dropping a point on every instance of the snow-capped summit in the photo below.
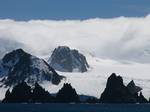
[18,66]
[65,59]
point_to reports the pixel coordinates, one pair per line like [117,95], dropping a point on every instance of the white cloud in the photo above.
[122,39]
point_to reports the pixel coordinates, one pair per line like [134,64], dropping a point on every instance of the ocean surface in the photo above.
[74,107]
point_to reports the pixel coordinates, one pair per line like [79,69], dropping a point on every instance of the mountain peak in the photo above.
[18,53]
[68,60]
[63,48]
[133,88]
[20,66]
[117,92]
[19,50]
[114,81]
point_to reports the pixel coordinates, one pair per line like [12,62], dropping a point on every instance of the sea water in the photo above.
[74,107]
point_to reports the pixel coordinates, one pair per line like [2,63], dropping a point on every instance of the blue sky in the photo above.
[72,9]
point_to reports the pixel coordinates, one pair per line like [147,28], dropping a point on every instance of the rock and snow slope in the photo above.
[65,59]
[18,66]
[93,82]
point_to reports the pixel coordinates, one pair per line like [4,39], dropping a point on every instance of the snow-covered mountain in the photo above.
[93,82]
[67,60]
[18,66]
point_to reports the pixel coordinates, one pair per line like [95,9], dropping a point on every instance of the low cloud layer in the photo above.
[121,39]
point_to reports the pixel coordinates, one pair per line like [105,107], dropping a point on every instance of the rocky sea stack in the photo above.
[67,94]
[117,92]
[23,93]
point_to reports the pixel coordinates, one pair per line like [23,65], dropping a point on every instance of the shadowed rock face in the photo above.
[117,92]
[66,60]
[67,94]
[18,66]
[22,93]
[133,88]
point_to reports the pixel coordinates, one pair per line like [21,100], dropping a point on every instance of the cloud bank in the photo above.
[121,39]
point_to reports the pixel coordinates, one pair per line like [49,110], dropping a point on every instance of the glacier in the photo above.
[93,82]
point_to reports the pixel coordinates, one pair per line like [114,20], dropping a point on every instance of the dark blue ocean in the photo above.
[74,108]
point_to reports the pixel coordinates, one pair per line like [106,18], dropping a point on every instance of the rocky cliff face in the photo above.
[23,93]
[133,89]
[18,66]
[66,60]
[117,92]
[67,94]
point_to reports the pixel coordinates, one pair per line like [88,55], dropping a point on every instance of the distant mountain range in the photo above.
[86,73]
[18,66]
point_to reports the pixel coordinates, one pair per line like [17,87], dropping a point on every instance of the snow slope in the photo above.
[93,82]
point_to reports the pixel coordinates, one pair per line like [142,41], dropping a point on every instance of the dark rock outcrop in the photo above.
[133,89]
[142,99]
[117,92]
[18,66]
[40,95]
[66,60]
[67,94]
[23,93]
[20,93]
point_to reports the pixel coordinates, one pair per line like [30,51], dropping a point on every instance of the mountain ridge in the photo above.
[18,66]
